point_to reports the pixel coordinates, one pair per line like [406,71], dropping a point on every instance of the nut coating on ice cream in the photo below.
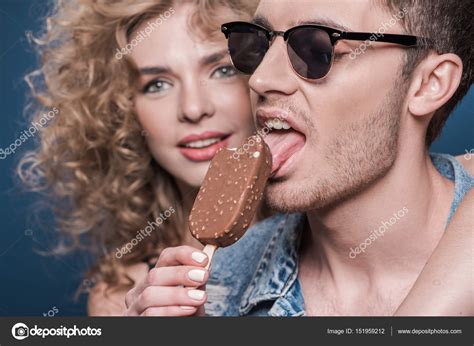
[230,194]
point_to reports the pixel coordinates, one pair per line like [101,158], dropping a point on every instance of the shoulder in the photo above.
[248,250]
[105,300]
[252,243]
[234,267]
[463,219]
[467,162]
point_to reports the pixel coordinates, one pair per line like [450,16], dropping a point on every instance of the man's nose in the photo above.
[274,74]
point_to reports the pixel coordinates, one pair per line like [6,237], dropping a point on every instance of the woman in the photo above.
[146,95]
[142,111]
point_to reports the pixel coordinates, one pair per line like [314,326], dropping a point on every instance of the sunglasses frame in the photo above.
[335,35]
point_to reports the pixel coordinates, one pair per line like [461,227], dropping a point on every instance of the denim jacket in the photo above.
[258,275]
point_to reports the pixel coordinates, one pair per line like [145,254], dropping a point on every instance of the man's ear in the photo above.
[434,82]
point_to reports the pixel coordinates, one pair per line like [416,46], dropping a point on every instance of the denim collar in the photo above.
[277,272]
[449,167]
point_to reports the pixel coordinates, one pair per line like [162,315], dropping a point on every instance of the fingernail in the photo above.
[196,275]
[196,294]
[198,256]
[184,307]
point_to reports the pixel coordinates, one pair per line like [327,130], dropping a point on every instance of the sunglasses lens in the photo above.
[247,47]
[310,51]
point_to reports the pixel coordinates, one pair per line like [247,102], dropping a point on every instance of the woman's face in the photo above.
[190,100]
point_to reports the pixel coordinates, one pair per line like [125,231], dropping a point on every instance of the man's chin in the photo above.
[283,196]
[310,193]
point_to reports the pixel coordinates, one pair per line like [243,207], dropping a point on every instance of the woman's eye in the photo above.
[156,86]
[224,72]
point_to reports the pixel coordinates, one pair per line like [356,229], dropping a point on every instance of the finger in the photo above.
[154,296]
[173,276]
[182,255]
[170,311]
[131,296]
[201,310]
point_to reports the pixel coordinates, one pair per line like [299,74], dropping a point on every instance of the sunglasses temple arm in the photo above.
[405,40]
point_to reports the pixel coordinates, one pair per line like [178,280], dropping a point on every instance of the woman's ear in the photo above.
[435,81]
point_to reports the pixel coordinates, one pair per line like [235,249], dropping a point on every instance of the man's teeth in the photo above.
[202,143]
[277,124]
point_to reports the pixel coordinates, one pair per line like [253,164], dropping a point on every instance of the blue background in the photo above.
[33,284]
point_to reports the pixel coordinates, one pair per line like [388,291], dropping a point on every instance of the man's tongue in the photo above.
[283,144]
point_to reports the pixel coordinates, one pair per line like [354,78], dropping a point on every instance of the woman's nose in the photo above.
[196,102]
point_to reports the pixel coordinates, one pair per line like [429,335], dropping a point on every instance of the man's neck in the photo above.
[396,224]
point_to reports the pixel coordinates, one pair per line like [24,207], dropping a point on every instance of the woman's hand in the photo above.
[171,288]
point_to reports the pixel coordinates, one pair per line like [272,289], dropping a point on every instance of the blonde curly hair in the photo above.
[92,161]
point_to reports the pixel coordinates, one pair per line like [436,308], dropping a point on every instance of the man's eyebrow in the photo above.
[325,22]
[262,21]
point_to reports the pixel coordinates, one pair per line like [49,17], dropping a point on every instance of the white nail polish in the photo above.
[184,307]
[198,256]
[196,294]
[196,275]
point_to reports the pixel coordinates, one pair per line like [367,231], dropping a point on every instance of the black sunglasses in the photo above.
[310,47]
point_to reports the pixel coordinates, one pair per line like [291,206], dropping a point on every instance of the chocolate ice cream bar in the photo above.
[231,192]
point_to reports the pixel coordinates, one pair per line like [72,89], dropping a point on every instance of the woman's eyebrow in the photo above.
[213,58]
[206,60]
[153,70]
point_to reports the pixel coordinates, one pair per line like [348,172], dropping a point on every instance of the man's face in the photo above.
[345,126]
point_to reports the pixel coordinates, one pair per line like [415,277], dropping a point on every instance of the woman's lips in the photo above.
[283,145]
[201,136]
[203,153]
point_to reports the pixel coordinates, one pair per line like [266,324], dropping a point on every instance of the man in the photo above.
[363,203]
[355,161]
